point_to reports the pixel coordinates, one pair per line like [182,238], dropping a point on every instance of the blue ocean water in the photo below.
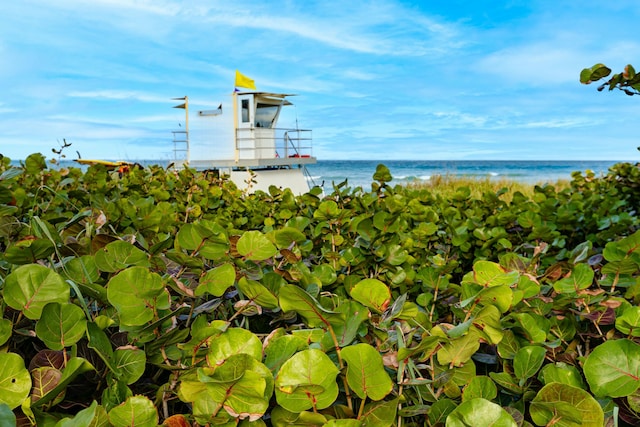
[359,173]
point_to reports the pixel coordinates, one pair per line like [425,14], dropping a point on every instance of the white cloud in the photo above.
[118,94]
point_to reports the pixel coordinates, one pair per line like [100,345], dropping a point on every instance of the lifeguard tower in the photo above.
[258,153]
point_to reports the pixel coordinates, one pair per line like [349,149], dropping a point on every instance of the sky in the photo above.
[375,80]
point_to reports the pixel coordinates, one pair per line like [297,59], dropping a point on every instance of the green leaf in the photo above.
[284,237]
[243,398]
[528,361]
[119,255]
[487,322]
[61,325]
[382,174]
[365,372]
[130,363]
[479,412]
[234,341]
[136,411]
[581,278]
[135,293]
[344,422]
[29,251]
[440,410]
[307,380]
[254,246]
[30,287]
[280,417]
[93,416]
[281,349]
[480,386]
[560,372]
[256,292]
[489,274]
[594,73]
[15,381]
[507,381]
[293,298]
[629,321]
[217,280]
[458,351]
[531,328]
[372,293]
[346,326]
[564,403]
[327,210]
[508,346]
[99,342]
[613,368]
[501,296]
[6,329]
[7,417]
[380,414]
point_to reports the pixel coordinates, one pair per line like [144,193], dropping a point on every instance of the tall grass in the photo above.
[446,185]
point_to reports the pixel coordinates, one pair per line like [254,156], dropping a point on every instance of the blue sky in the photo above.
[385,79]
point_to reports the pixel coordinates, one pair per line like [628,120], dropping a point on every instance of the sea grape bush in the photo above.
[172,297]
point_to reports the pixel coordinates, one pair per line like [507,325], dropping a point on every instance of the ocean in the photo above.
[359,173]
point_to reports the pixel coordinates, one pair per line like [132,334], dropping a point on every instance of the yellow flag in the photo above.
[244,81]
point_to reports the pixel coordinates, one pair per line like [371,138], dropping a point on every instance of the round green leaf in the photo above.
[119,255]
[136,411]
[288,235]
[560,372]
[281,349]
[581,278]
[308,377]
[134,293]
[61,325]
[479,412]
[488,274]
[129,363]
[30,287]
[234,341]
[216,281]
[365,372]
[372,293]
[255,246]
[480,386]
[241,398]
[380,414]
[458,351]
[15,381]
[567,405]
[613,368]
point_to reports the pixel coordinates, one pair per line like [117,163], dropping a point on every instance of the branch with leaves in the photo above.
[627,81]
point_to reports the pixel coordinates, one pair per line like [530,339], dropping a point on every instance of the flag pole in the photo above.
[186,122]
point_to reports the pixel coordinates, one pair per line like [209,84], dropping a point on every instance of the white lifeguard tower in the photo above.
[257,153]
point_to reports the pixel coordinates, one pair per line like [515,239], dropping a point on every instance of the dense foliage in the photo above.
[162,296]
